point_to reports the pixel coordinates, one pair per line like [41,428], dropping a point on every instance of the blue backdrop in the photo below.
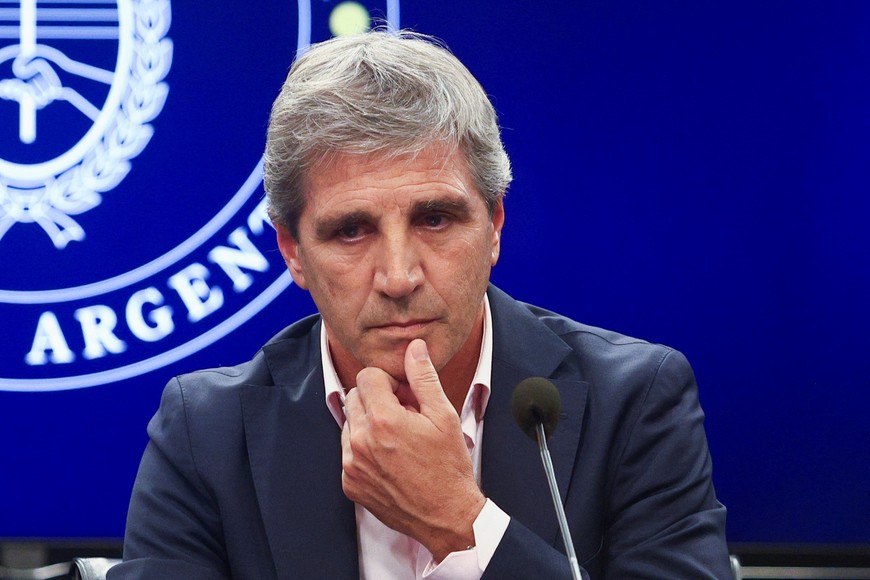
[694,174]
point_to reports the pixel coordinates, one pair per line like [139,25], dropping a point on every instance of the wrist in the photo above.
[458,534]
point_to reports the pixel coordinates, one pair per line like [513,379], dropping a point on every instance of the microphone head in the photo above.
[536,400]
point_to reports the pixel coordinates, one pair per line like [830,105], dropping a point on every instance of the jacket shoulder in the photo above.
[593,345]
[294,346]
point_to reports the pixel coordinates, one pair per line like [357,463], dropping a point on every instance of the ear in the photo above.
[289,247]
[497,224]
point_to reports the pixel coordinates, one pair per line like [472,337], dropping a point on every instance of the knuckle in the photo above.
[380,421]
[348,468]
[368,376]
[348,487]
[447,421]
[356,446]
[363,376]
[359,449]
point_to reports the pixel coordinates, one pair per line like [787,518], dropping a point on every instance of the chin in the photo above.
[391,363]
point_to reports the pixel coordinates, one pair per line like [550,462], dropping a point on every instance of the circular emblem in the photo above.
[50,191]
[133,230]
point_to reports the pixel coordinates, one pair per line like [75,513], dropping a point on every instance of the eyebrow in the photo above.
[459,208]
[326,227]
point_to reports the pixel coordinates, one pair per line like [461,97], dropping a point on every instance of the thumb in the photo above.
[423,378]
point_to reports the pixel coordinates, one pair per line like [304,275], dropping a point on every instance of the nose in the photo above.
[399,271]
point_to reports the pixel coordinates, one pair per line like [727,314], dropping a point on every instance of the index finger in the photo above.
[376,389]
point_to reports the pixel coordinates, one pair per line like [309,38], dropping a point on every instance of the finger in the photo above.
[406,398]
[346,458]
[346,452]
[423,378]
[354,409]
[376,390]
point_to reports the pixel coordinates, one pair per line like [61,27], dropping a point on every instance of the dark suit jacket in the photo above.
[242,477]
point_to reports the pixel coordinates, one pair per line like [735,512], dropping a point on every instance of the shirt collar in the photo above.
[475,401]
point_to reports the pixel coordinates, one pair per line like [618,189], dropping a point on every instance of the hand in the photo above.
[39,80]
[408,464]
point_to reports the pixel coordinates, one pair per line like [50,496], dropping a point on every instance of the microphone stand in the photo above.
[557,502]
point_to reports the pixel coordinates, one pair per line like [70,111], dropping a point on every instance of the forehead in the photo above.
[349,179]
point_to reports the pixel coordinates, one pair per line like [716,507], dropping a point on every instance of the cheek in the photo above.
[333,273]
[334,287]
[459,267]
[460,278]
[467,253]
[474,260]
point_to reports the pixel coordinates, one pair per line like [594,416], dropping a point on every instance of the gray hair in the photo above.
[378,93]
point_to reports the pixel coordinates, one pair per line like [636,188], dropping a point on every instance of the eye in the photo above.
[434,220]
[349,231]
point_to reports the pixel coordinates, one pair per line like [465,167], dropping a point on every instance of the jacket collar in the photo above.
[302,483]
[512,474]
[298,486]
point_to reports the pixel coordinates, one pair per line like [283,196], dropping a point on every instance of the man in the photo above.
[375,440]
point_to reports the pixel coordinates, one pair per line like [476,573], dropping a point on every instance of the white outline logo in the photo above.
[50,192]
[218,276]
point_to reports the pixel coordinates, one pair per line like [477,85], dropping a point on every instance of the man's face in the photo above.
[393,250]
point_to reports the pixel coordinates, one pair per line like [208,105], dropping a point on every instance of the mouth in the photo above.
[405,326]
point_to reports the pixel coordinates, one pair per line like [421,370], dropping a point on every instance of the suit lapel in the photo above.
[512,474]
[295,455]
[288,427]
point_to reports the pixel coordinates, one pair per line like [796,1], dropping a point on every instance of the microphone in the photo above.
[536,400]
[536,406]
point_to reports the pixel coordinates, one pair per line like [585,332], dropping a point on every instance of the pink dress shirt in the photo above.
[385,554]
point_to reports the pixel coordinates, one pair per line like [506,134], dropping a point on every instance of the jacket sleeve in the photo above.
[523,555]
[662,518]
[173,525]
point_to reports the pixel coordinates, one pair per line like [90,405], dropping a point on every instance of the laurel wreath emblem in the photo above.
[79,188]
